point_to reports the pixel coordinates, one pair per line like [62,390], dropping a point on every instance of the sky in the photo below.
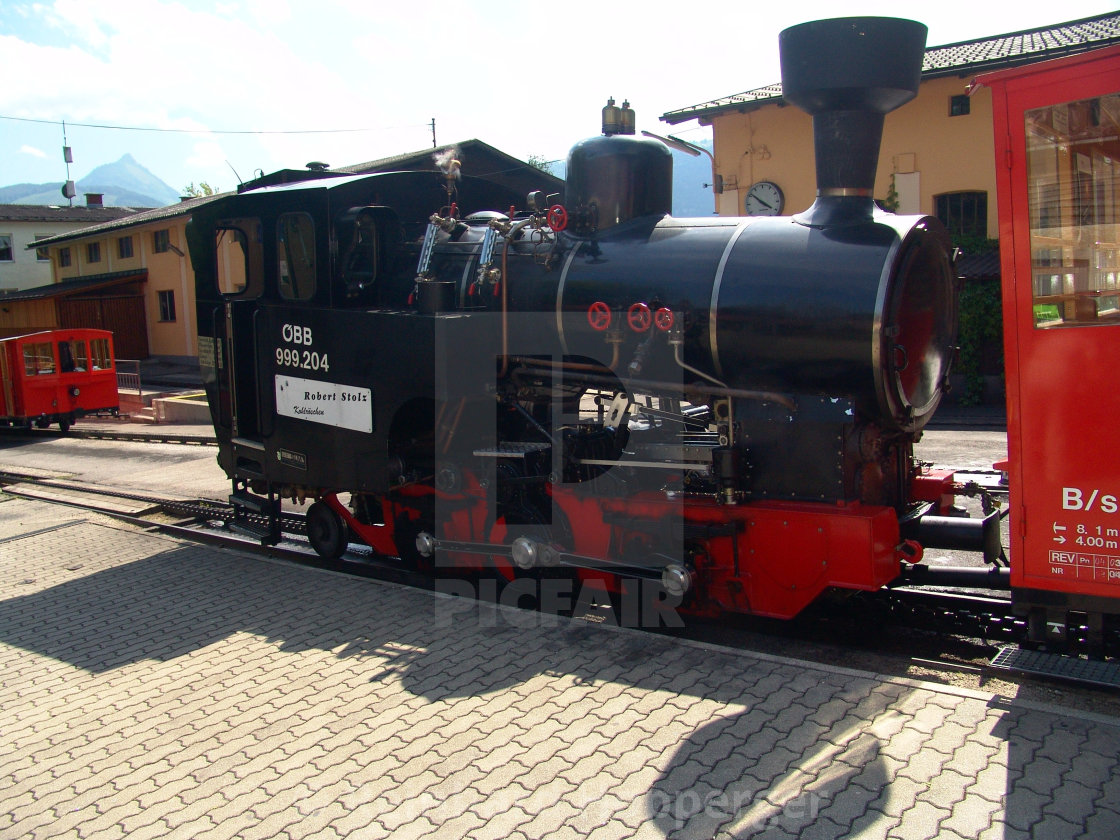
[241,86]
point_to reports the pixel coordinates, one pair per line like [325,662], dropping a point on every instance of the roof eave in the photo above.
[157,214]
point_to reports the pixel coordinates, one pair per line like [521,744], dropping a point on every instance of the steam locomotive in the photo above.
[588,387]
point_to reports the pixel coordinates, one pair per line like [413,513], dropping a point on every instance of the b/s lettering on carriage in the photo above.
[1075,498]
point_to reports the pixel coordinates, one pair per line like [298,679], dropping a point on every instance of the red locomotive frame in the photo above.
[56,376]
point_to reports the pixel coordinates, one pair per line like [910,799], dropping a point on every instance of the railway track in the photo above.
[977,622]
[140,434]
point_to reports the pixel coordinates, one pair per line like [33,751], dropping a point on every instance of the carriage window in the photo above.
[295,256]
[240,257]
[77,351]
[65,357]
[99,354]
[38,358]
[1073,181]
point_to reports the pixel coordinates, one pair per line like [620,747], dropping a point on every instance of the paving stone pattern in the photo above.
[153,688]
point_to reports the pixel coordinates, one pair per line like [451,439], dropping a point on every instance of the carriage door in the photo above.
[240,278]
[1059,203]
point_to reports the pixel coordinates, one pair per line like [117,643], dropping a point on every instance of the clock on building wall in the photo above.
[764,198]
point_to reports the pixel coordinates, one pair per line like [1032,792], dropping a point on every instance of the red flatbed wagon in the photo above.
[56,376]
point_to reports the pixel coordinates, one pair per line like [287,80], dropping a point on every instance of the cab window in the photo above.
[240,257]
[295,256]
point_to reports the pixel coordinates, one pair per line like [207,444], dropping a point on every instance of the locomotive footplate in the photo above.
[256,516]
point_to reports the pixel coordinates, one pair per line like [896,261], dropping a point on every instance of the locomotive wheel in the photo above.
[325,531]
[64,424]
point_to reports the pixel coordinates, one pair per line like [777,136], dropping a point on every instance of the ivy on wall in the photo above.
[981,325]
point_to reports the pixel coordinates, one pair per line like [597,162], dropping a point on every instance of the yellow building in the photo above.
[937,152]
[132,276]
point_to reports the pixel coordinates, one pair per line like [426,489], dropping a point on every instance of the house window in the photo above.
[93,252]
[964,213]
[162,239]
[124,247]
[167,306]
[959,105]
[6,252]
[42,254]
[63,257]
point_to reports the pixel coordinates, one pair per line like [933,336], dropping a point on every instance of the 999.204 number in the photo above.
[302,359]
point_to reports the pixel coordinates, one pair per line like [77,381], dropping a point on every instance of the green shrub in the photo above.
[981,325]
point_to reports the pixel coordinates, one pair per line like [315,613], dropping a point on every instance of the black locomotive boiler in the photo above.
[588,387]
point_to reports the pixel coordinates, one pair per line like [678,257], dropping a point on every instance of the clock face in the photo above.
[765,199]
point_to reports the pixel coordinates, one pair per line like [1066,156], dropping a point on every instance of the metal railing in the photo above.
[128,375]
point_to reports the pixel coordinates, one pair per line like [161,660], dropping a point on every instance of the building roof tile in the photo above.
[74,285]
[82,214]
[959,59]
[143,217]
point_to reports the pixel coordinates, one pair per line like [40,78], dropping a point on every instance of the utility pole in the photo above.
[433,132]
[68,191]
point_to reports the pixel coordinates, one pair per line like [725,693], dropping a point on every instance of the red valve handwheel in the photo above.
[557,217]
[639,317]
[599,316]
[663,319]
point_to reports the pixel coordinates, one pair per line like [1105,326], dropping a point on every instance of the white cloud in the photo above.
[526,81]
[206,154]
[31,150]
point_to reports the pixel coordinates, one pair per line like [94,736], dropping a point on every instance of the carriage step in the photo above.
[1042,664]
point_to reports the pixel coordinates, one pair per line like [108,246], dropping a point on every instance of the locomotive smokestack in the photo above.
[848,73]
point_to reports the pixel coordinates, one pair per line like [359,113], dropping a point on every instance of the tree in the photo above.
[203,189]
[540,162]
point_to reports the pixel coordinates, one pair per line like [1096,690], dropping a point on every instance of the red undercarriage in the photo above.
[762,558]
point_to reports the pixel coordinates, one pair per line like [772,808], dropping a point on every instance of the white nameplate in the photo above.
[325,402]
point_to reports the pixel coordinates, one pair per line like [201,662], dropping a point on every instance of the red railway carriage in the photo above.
[1056,127]
[56,376]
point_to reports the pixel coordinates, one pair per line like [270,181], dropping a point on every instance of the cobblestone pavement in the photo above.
[153,688]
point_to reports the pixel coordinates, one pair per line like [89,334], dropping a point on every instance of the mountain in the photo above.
[692,184]
[125,183]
